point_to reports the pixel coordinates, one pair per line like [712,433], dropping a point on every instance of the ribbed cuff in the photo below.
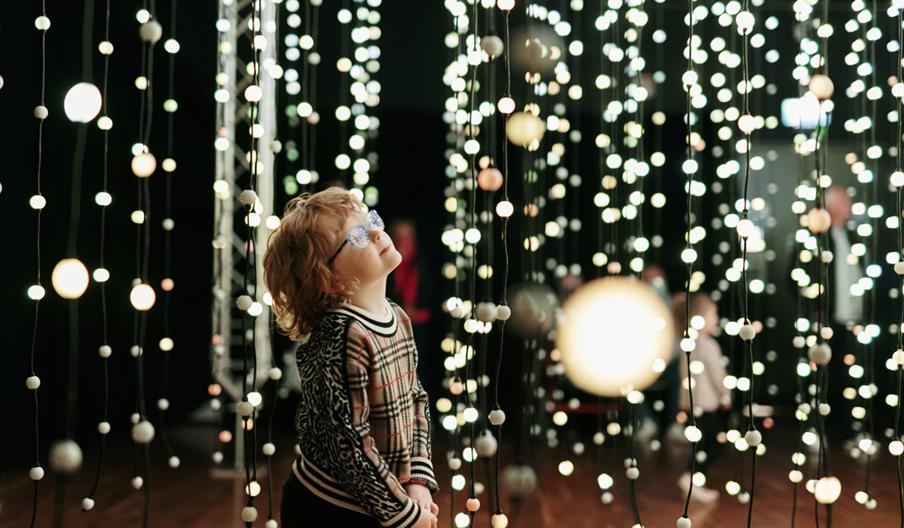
[422,469]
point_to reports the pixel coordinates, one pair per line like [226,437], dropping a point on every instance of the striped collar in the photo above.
[385,325]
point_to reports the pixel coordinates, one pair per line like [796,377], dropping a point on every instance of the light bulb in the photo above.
[746,228]
[604,318]
[70,278]
[747,123]
[819,220]
[523,128]
[144,164]
[822,86]
[506,105]
[745,22]
[489,179]
[142,297]
[82,103]
[828,489]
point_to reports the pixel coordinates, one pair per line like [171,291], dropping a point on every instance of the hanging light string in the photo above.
[615,162]
[246,303]
[897,180]
[457,72]
[169,166]
[600,256]
[472,236]
[613,159]
[747,123]
[497,416]
[222,301]
[601,199]
[103,199]
[821,351]
[36,292]
[799,341]
[309,86]
[65,454]
[635,398]
[142,295]
[576,137]
[639,94]
[736,360]
[689,255]
[485,313]
[344,65]
[871,192]
[268,449]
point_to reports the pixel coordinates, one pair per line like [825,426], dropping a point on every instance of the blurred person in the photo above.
[845,308]
[649,427]
[711,397]
[412,287]
[845,305]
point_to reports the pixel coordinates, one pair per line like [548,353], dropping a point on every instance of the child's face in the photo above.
[370,263]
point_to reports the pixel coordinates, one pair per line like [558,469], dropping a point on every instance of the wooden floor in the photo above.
[191,497]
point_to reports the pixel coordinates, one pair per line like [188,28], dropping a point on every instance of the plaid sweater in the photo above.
[363,422]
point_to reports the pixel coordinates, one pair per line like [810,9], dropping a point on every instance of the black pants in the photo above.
[709,423]
[302,509]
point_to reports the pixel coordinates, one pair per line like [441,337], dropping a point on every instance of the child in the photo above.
[363,421]
[710,394]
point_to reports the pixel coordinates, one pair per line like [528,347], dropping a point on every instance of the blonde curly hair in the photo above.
[303,287]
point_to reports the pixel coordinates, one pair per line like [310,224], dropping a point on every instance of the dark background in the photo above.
[411,179]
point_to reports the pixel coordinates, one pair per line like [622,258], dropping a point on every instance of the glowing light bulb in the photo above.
[604,318]
[524,128]
[144,164]
[828,489]
[70,278]
[819,220]
[142,297]
[506,105]
[82,103]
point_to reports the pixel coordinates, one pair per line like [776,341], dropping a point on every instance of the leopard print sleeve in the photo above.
[359,466]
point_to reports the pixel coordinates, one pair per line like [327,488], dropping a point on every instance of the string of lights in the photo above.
[801,280]
[863,165]
[747,123]
[251,308]
[505,105]
[344,65]
[896,447]
[826,488]
[166,344]
[274,373]
[101,275]
[475,55]
[70,276]
[142,296]
[689,254]
[453,238]
[36,291]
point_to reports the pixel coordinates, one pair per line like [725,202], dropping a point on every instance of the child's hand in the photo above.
[420,495]
[426,520]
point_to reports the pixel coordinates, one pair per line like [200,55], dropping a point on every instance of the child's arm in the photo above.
[421,454]
[364,473]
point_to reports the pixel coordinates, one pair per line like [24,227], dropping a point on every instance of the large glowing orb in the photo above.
[611,333]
